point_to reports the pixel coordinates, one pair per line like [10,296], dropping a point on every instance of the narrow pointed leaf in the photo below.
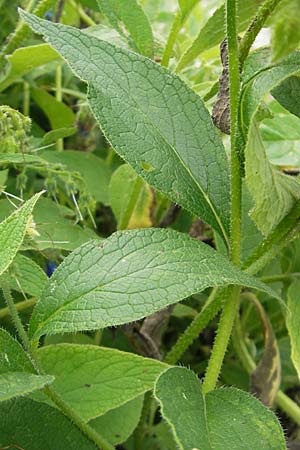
[94,380]
[127,277]
[225,419]
[17,374]
[152,119]
[13,230]
[293,323]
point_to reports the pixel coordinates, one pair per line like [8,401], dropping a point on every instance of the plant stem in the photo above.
[287,405]
[176,25]
[222,339]
[26,98]
[207,313]
[82,14]
[58,96]
[255,26]
[279,277]
[14,313]
[86,429]
[20,306]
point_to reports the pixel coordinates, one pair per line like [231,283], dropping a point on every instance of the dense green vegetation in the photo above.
[150,234]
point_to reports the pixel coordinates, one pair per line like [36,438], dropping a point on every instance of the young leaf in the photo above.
[153,120]
[26,276]
[127,277]
[13,230]
[17,374]
[94,380]
[292,322]
[286,28]
[133,202]
[213,31]
[118,424]
[131,14]
[225,419]
[35,426]
[267,185]
[24,59]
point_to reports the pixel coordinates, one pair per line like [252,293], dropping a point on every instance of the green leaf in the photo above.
[13,230]
[24,59]
[118,424]
[132,203]
[94,380]
[286,28]
[26,276]
[267,185]
[94,171]
[20,158]
[213,31]
[127,277]
[132,16]
[17,374]
[292,323]
[53,135]
[225,419]
[59,114]
[35,426]
[152,119]
[288,93]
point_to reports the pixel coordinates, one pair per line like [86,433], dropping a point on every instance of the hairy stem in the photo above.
[255,26]
[14,313]
[20,306]
[207,313]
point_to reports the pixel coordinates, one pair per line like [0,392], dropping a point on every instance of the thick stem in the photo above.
[222,339]
[207,313]
[14,313]
[255,26]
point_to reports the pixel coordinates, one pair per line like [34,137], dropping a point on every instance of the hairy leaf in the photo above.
[35,426]
[17,374]
[225,419]
[213,31]
[26,276]
[292,322]
[13,230]
[131,14]
[130,199]
[288,94]
[94,380]
[152,119]
[127,277]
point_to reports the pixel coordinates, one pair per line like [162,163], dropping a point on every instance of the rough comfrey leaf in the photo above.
[13,230]
[127,277]
[26,276]
[94,380]
[17,374]
[293,323]
[131,15]
[225,419]
[152,119]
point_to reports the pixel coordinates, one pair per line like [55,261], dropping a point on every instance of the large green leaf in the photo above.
[24,59]
[127,277]
[293,323]
[153,120]
[13,230]
[214,30]
[17,374]
[131,14]
[267,185]
[94,380]
[35,426]
[27,276]
[225,419]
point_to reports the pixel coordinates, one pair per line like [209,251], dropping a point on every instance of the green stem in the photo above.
[285,403]
[255,26]
[222,339]
[14,313]
[207,313]
[176,26]
[86,429]
[140,430]
[280,277]
[26,98]
[20,306]
[82,14]
[58,96]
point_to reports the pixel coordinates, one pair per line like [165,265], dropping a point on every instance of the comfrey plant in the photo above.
[83,396]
